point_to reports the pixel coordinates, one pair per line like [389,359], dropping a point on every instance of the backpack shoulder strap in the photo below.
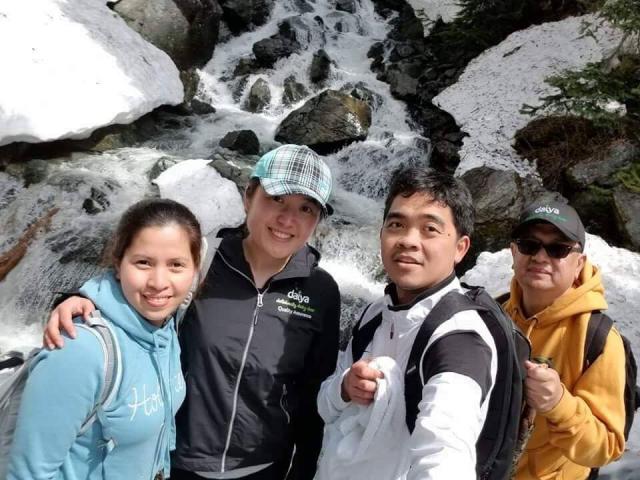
[112,365]
[597,333]
[502,298]
[451,303]
[363,334]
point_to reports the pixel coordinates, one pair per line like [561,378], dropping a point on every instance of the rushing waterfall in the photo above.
[91,191]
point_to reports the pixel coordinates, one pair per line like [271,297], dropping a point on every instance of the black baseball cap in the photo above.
[560,215]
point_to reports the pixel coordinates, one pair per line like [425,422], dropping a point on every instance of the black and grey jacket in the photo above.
[259,358]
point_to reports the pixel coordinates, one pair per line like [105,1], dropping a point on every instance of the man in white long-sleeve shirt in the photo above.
[428,220]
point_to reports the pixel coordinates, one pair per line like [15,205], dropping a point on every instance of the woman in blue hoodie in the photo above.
[155,252]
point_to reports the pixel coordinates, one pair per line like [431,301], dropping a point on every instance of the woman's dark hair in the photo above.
[155,212]
[443,188]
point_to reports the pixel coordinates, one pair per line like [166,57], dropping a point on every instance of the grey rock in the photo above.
[190,80]
[362,92]
[303,6]
[600,168]
[242,15]
[292,35]
[348,6]
[243,141]
[293,91]
[201,108]
[245,66]
[627,214]
[259,96]
[35,171]
[320,66]
[269,50]
[187,30]
[326,122]
[401,84]
[162,164]
[499,197]
[98,202]
[234,166]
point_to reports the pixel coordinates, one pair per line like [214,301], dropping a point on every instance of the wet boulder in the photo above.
[627,212]
[603,189]
[243,141]
[362,92]
[326,122]
[293,91]
[259,96]
[320,66]
[234,166]
[499,197]
[600,168]
[348,6]
[243,15]
[187,30]
[293,34]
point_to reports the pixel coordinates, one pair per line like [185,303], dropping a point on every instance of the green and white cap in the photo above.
[291,169]
[558,214]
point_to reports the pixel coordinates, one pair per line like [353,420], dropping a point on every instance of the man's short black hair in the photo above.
[444,188]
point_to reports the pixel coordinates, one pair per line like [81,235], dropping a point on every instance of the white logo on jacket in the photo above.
[298,297]
[150,401]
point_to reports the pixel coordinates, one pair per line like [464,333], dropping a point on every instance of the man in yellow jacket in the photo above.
[580,414]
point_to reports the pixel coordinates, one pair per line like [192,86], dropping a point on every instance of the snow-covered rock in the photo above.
[487,98]
[72,66]
[430,11]
[214,200]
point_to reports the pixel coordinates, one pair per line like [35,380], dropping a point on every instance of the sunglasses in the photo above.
[531,246]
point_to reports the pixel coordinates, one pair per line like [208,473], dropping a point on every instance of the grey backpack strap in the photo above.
[210,244]
[112,364]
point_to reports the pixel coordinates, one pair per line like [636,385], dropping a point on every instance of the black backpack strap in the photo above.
[363,334]
[450,304]
[502,298]
[597,333]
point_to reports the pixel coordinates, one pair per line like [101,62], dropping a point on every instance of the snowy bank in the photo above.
[487,98]
[72,66]
[430,11]
[214,200]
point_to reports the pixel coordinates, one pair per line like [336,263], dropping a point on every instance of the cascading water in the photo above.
[91,191]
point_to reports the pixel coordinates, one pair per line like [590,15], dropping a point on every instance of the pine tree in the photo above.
[606,92]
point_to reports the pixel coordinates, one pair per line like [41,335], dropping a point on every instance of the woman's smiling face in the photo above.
[156,271]
[279,226]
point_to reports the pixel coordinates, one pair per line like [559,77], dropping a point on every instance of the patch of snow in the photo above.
[214,200]
[430,11]
[487,98]
[72,66]
[621,277]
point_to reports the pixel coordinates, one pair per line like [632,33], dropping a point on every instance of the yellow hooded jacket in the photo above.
[586,428]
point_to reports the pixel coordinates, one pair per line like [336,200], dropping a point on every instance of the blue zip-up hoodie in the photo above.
[135,433]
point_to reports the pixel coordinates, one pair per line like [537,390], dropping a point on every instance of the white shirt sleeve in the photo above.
[450,419]
[330,402]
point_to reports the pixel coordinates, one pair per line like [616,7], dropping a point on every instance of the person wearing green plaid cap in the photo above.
[261,335]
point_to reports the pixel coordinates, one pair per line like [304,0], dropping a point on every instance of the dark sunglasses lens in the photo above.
[558,250]
[528,246]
